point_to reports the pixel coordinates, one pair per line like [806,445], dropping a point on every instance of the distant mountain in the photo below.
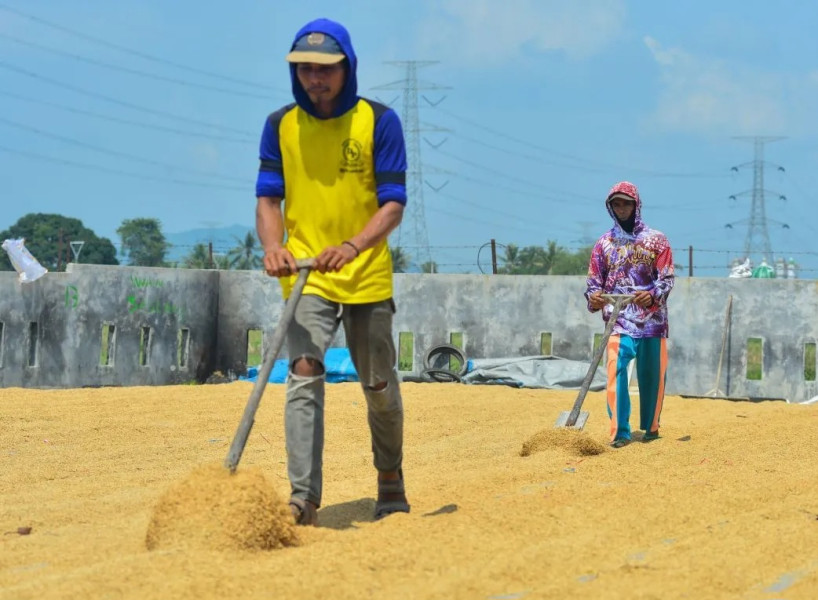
[223,239]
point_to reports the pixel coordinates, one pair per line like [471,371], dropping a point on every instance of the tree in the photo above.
[245,256]
[400,260]
[199,258]
[572,264]
[429,267]
[221,262]
[510,259]
[551,260]
[143,242]
[48,237]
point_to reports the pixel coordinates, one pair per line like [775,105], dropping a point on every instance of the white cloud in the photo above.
[491,33]
[717,98]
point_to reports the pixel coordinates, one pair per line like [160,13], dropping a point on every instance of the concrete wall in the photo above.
[497,316]
[53,327]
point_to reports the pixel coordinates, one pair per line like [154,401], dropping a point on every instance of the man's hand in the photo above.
[596,300]
[279,262]
[333,258]
[643,299]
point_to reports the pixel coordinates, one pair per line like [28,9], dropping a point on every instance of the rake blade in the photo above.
[562,420]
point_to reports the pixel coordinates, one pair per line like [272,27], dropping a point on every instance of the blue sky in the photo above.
[118,110]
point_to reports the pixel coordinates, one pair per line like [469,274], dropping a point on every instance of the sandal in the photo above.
[304,512]
[391,497]
[650,436]
[620,443]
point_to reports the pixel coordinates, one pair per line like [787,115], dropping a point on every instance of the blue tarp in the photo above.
[337,360]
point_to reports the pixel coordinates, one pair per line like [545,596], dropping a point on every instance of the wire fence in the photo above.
[690,261]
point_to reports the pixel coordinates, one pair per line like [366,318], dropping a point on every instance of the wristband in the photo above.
[354,247]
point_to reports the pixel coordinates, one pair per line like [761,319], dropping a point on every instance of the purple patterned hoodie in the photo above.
[624,263]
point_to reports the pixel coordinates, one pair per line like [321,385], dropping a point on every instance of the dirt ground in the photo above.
[723,505]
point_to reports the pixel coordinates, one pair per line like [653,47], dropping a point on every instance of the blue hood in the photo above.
[349,94]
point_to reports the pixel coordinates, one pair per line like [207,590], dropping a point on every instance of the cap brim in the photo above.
[621,196]
[320,58]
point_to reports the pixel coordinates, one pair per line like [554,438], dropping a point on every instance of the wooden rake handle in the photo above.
[618,301]
[270,355]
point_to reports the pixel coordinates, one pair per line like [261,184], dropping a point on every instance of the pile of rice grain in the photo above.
[566,438]
[215,510]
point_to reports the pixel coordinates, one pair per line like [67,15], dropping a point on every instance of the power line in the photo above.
[534,158]
[505,175]
[100,169]
[137,72]
[141,124]
[585,162]
[461,216]
[111,152]
[494,210]
[410,86]
[503,188]
[84,92]
[138,53]
[757,240]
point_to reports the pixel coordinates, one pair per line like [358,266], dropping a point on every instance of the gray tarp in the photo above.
[550,372]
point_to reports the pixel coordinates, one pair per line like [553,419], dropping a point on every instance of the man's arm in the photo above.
[597,271]
[665,276]
[278,261]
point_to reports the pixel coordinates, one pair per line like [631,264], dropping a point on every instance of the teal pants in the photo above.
[651,370]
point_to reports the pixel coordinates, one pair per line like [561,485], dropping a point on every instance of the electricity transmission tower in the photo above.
[412,231]
[757,240]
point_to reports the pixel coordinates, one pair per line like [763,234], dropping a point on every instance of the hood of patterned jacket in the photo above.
[627,190]
[349,93]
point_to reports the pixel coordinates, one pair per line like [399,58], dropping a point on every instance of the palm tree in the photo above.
[512,257]
[244,256]
[221,262]
[199,258]
[400,260]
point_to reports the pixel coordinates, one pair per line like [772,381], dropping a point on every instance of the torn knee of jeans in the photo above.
[378,387]
[307,366]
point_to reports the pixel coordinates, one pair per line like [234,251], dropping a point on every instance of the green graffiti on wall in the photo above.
[154,308]
[72,296]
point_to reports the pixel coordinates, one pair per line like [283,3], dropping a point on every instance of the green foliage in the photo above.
[400,260]
[551,260]
[456,340]
[143,242]
[47,237]
[254,341]
[809,361]
[221,262]
[199,258]
[246,255]
[575,263]
[406,349]
[429,267]
[755,350]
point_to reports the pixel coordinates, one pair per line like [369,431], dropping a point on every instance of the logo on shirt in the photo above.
[642,256]
[352,156]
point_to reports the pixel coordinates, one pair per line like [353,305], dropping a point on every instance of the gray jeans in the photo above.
[368,330]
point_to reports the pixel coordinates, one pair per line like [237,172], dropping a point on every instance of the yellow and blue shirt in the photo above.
[333,175]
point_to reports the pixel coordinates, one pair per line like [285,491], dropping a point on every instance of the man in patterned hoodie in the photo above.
[632,258]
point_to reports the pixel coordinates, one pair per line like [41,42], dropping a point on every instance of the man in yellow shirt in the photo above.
[332,185]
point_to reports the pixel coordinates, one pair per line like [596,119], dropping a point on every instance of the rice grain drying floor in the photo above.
[723,505]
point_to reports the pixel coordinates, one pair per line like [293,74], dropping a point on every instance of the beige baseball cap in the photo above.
[318,48]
